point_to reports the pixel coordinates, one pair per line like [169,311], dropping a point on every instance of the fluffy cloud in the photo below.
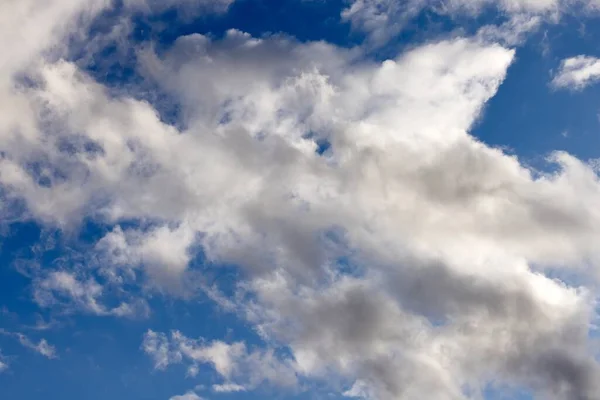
[577,72]
[29,29]
[445,230]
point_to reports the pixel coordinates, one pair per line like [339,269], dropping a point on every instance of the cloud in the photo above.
[438,189]
[3,364]
[383,20]
[45,349]
[188,396]
[409,260]
[239,368]
[63,289]
[412,203]
[188,7]
[43,27]
[359,330]
[163,252]
[513,32]
[577,72]
[42,347]
[228,388]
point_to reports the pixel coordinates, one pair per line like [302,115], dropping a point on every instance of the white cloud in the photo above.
[3,363]
[157,346]
[359,389]
[577,72]
[188,396]
[411,192]
[28,29]
[384,19]
[64,289]
[162,251]
[42,347]
[513,32]
[448,242]
[228,388]
[443,196]
[239,368]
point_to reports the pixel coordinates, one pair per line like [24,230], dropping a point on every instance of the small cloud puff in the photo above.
[576,73]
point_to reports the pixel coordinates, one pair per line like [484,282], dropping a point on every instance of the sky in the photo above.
[299,199]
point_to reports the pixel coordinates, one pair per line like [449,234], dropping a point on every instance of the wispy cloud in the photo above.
[240,368]
[42,347]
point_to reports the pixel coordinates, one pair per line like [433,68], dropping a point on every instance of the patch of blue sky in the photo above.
[500,392]
[303,20]
[100,357]
[528,116]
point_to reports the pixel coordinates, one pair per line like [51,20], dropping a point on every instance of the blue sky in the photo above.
[299,199]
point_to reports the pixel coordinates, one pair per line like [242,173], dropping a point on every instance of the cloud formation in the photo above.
[389,251]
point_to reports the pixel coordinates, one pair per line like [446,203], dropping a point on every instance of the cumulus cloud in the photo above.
[407,190]
[407,260]
[577,72]
[429,183]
